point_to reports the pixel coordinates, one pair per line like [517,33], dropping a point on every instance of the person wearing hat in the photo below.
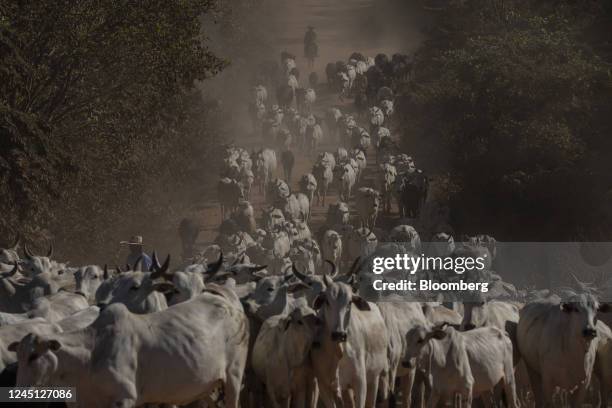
[136,247]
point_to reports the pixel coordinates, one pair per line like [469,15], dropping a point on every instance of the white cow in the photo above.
[353,348]
[203,343]
[52,308]
[361,242]
[570,335]
[331,247]
[16,295]
[386,180]
[324,177]
[308,186]
[281,355]
[400,317]
[469,364]
[88,280]
[367,204]
[345,177]
[14,332]
[138,290]
[360,159]
[264,167]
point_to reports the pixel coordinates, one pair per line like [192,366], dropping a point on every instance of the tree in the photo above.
[95,99]
[512,101]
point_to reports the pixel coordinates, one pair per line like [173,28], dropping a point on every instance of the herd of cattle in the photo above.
[274,314]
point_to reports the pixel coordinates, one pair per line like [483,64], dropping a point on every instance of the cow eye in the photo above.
[270,289]
[134,287]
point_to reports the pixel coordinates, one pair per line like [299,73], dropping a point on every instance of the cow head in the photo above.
[36,358]
[300,327]
[34,265]
[267,288]
[442,244]
[474,312]
[308,183]
[336,304]
[417,341]
[273,217]
[581,310]
[9,255]
[89,278]
[138,291]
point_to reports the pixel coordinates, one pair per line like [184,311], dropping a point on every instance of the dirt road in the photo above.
[343,27]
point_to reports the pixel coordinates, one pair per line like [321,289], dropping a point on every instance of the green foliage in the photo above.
[98,113]
[513,102]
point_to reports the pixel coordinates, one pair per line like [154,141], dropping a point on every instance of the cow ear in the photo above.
[163,287]
[297,286]
[361,303]
[605,308]
[13,346]
[568,307]
[318,302]
[257,276]
[438,334]
[54,345]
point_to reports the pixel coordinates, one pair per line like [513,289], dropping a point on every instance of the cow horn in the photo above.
[164,268]
[160,270]
[154,262]
[137,264]
[118,269]
[50,251]
[299,274]
[12,271]
[27,252]
[213,268]
[128,267]
[16,243]
[328,281]
[354,266]
[105,276]
[334,271]
[258,268]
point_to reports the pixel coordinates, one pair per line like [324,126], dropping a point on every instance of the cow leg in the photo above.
[329,398]
[360,390]
[406,384]
[231,387]
[348,399]
[510,391]
[371,393]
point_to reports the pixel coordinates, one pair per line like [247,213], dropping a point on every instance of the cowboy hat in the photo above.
[135,240]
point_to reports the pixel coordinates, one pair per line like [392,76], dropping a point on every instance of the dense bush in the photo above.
[511,100]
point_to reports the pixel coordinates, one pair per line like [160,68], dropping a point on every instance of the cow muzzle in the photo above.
[469,327]
[589,333]
[339,337]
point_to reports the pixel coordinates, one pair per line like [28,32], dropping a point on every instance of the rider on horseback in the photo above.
[311,50]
